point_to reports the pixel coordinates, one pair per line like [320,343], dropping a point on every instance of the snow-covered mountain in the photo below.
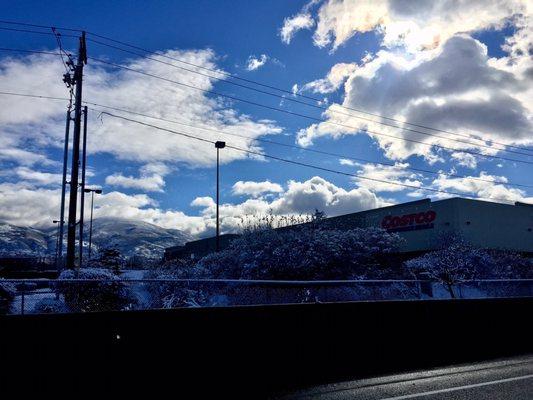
[135,237]
[128,236]
[23,241]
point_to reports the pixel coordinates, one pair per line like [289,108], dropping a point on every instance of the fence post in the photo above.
[22,300]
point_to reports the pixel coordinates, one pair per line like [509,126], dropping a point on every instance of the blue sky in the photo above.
[386,63]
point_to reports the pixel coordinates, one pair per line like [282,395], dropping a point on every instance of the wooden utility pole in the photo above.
[73,199]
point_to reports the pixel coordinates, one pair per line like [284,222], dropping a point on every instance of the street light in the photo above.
[92,191]
[58,241]
[219,145]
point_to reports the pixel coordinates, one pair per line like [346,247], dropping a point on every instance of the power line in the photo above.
[229,75]
[30,51]
[265,85]
[421,170]
[297,162]
[32,31]
[316,106]
[293,146]
[34,96]
[39,26]
[304,115]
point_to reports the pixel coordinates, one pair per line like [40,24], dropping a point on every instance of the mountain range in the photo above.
[130,237]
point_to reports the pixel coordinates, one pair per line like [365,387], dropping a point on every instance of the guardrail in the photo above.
[23,296]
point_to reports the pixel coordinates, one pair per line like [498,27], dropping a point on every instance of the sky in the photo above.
[392,90]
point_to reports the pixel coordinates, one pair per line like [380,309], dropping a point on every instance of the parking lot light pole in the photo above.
[92,191]
[59,242]
[219,145]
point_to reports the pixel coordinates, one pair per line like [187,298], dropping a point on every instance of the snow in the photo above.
[133,274]
[131,238]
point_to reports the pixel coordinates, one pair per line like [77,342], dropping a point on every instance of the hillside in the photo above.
[128,236]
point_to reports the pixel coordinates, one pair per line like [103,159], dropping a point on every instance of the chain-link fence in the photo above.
[76,295]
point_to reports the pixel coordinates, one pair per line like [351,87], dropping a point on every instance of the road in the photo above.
[502,379]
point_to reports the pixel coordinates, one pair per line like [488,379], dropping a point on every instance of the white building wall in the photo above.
[484,224]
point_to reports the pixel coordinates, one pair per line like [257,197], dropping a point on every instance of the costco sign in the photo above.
[409,222]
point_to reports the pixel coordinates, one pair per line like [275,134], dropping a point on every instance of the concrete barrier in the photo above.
[255,349]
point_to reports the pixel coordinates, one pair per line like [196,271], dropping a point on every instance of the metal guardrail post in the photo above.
[22,301]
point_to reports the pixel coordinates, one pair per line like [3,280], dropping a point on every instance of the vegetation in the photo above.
[103,291]
[457,261]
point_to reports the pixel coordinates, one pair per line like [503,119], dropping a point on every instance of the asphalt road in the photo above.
[502,379]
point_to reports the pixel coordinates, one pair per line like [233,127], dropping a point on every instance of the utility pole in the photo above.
[82,185]
[63,189]
[78,80]
[219,145]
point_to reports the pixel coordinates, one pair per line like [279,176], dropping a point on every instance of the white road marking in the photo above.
[453,389]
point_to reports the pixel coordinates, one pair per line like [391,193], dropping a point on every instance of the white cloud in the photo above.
[254,62]
[25,205]
[334,79]
[41,178]
[495,189]
[397,173]
[151,178]
[255,189]
[39,124]
[456,88]
[414,25]
[300,198]
[152,183]
[319,194]
[465,159]
[294,24]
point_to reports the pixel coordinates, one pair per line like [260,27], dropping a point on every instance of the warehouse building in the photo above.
[422,224]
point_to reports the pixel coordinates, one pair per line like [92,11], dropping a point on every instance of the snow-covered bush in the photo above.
[7,290]
[108,258]
[166,292]
[303,253]
[457,261]
[102,291]
[50,306]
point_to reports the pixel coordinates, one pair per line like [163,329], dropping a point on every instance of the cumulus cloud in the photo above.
[151,178]
[153,183]
[334,79]
[397,173]
[294,24]
[25,205]
[254,62]
[319,194]
[41,178]
[494,189]
[414,25]
[255,189]
[456,88]
[21,204]
[429,71]
[298,198]
[465,159]
[39,124]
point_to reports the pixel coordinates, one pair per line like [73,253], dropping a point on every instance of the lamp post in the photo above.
[59,242]
[92,191]
[219,145]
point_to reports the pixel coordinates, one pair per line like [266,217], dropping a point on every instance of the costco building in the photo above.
[422,224]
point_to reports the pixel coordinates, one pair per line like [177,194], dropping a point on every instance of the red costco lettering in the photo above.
[424,217]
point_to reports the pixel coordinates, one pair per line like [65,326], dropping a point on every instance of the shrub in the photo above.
[103,291]
[303,253]
[457,261]
[8,290]
[166,292]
